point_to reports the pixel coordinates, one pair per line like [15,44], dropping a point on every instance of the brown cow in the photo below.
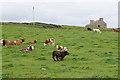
[116,30]
[59,55]
[49,41]
[33,42]
[19,41]
[7,42]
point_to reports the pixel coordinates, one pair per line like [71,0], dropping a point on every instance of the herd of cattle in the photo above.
[60,53]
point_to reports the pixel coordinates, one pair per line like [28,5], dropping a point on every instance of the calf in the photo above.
[61,48]
[59,55]
[19,41]
[49,41]
[33,42]
[7,42]
[28,49]
[96,30]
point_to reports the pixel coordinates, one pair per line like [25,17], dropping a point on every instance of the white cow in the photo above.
[96,30]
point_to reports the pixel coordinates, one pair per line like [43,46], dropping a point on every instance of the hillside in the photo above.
[92,55]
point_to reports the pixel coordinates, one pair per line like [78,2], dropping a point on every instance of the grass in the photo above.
[0,53]
[92,55]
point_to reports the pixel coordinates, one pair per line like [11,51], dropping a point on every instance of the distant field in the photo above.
[92,55]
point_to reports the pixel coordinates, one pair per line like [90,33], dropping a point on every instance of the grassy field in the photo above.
[0,53]
[92,55]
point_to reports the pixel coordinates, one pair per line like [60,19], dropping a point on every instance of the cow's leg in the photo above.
[61,59]
[53,43]
[48,44]
[53,57]
[57,58]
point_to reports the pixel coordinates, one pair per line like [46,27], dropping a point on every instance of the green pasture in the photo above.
[92,55]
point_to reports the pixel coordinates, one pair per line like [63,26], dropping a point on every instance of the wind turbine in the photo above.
[119,14]
[33,15]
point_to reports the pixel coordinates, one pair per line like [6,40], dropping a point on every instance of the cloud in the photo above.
[68,13]
[59,0]
[76,13]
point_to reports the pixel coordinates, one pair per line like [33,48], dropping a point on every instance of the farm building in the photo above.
[97,23]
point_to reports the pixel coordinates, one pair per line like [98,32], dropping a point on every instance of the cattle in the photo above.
[19,41]
[61,48]
[27,49]
[7,42]
[89,29]
[59,55]
[48,41]
[116,30]
[33,42]
[96,30]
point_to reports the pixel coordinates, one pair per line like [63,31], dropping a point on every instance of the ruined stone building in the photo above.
[97,23]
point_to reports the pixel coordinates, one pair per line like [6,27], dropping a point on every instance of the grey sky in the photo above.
[69,12]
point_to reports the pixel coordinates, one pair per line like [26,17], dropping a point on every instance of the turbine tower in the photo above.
[33,16]
[119,14]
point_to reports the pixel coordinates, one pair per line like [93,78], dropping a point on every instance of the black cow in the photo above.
[89,29]
[59,55]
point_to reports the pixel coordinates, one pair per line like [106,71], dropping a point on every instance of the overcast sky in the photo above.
[65,12]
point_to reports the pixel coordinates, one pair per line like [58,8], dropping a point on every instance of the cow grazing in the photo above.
[19,41]
[89,29]
[59,55]
[7,42]
[33,42]
[48,41]
[61,48]
[96,30]
[28,49]
[116,30]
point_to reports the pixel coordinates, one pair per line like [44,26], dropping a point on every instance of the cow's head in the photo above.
[35,41]
[66,52]
[22,40]
[1,41]
[32,47]
[66,48]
